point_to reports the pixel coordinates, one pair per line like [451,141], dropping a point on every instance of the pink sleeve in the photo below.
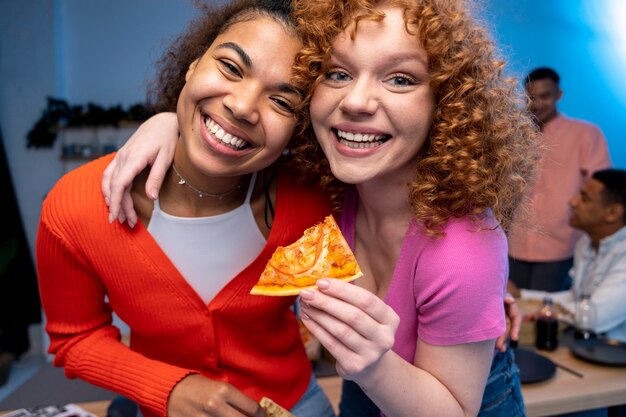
[460,293]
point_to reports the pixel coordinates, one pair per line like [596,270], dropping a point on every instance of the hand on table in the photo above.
[197,396]
[354,325]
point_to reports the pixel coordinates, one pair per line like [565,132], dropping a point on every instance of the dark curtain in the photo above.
[19,296]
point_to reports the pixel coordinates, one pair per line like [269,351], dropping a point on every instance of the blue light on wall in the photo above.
[583,40]
[608,22]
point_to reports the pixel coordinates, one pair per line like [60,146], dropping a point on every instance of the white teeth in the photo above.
[359,137]
[221,134]
[360,145]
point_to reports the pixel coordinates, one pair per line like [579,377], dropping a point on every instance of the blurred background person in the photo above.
[541,242]
[598,210]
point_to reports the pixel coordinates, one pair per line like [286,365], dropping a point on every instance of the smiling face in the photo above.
[373,110]
[235,111]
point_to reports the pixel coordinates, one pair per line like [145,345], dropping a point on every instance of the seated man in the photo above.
[599,270]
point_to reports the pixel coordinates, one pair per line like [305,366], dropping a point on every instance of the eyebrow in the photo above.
[289,89]
[282,87]
[242,54]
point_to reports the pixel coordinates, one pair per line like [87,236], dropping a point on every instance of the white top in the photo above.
[209,251]
[602,274]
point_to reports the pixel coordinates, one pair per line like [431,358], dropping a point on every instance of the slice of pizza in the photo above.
[321,252]
[274,410]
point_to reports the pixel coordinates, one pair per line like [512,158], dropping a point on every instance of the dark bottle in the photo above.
[547,326]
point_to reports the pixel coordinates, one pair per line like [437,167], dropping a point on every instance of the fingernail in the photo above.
[154,194]
[106,201]
[304,316]
[132,223]
[306,295]
[111,218]
[322,284]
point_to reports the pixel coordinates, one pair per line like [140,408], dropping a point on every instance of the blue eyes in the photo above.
[395,81]
[401,81]
[337,76]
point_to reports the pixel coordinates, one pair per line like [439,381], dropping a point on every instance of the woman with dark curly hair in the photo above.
[200,344]
[426,149]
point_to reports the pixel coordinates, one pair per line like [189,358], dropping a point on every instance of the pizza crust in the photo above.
[274,410]
[290,289]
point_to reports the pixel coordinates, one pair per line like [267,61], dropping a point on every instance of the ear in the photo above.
[614,213]
[559,95]
[192,68]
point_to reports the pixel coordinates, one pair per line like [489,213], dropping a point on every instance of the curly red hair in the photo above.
[482,148]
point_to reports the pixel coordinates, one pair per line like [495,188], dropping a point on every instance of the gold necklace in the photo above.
[201,193]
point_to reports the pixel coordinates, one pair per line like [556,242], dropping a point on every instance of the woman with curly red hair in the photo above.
[429,149]
[426,148]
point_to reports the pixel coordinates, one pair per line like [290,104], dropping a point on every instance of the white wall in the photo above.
[78,50]
[28,74]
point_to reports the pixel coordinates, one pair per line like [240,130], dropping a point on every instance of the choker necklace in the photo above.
[201,193]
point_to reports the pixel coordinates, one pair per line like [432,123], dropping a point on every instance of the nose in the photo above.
[534,103]
[573,201]
[244,103]
[360,97]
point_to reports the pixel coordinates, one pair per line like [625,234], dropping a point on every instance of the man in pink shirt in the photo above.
[541,243]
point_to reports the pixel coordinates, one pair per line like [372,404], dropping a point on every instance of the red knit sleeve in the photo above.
[78,316]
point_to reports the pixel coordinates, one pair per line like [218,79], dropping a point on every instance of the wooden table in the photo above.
[599,386]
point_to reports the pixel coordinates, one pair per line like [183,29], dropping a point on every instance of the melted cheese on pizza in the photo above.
[322,251]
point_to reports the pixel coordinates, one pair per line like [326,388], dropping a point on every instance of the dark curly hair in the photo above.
[163,92]
[482,148]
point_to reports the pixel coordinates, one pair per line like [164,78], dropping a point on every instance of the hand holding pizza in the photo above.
[197,395]
[356,326]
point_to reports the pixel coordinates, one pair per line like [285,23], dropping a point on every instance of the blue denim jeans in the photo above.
[502,397]
[313,403]
[503,393]
[354,402]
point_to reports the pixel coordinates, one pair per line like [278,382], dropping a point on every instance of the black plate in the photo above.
[533,367]
[602,351]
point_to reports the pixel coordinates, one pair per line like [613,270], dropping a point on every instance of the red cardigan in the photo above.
[88,269]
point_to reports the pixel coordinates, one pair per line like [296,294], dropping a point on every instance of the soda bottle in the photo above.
[547,326]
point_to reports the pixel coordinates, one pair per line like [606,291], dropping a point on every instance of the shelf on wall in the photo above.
[82,144]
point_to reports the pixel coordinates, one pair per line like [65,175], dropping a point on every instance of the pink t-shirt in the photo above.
[447,290]
[574,150]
